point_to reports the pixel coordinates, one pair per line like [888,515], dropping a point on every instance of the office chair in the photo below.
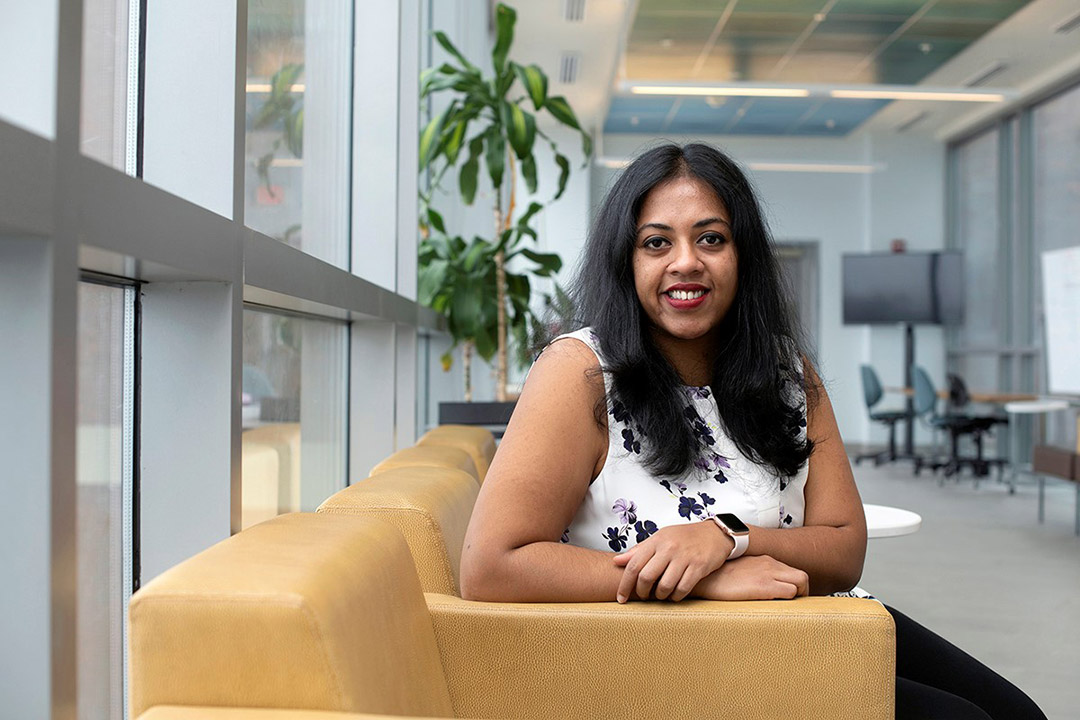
[955,423]
[872,394]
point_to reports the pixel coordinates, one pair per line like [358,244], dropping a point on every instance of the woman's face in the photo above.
[685,264]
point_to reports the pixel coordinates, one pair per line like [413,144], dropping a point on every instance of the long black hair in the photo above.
[757,377]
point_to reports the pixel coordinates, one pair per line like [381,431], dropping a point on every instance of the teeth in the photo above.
[685,294]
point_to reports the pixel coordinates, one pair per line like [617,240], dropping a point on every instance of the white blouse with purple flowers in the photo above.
[626,503]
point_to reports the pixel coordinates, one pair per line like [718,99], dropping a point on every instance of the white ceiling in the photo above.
[1034,55]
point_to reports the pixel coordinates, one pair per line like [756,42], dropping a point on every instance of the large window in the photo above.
[195,236]
[110,82]
[294,409]
[298,91]
[104,443]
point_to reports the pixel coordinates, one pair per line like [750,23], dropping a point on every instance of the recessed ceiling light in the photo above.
[819,17]
[830,123]
[917,95]
[925,47]
[634,120]
[714,101]
[737,90]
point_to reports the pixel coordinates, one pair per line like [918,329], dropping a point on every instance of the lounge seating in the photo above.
[478,442]
[326,612]
[443,456]
[430,506]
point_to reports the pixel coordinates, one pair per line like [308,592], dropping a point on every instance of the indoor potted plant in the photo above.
[488,123]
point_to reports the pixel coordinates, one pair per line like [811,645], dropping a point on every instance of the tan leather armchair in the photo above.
[443,456]
[431,506]
[324,612]
[477,442]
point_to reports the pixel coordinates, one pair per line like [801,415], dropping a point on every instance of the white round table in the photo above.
[884,521]
[1027,407]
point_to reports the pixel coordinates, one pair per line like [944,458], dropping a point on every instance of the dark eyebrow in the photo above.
[698,224]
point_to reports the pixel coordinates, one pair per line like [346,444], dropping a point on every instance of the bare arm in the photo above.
[831,545]
[550,452]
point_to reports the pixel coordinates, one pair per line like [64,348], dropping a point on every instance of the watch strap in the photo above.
[742,540]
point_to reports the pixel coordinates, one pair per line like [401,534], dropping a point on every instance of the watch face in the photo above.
[734,524]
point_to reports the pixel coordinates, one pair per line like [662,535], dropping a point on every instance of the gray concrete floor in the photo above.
[982,573]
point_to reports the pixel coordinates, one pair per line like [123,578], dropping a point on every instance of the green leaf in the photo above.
[431,280]
[436,220]
[448,46]
[429,138]
[294,133]
[550,263]
[533,208]
[564,174]
[560,109]
[485,344]
[471,170]
[454,140]
[505,17]
[495,156]
[534,81]
[528,171]
[520,129]
[478,248]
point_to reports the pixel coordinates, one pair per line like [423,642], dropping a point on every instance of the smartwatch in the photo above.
[736,529]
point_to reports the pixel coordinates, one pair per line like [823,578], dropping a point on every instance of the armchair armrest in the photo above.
[177,712]
[810,657]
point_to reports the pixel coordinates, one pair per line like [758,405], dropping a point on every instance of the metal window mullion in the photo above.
[1004,233]
[129,492]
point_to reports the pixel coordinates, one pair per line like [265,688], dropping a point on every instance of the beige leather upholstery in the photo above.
[807,658]
[442,456]
[431,507]
[321,612]
[478,442]
[285,439]
[176,712]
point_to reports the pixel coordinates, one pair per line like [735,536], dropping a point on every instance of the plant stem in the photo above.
[466,366]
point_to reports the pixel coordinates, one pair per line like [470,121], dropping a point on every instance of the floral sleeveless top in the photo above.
[626,503]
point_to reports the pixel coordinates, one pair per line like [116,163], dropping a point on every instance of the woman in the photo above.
[685,429]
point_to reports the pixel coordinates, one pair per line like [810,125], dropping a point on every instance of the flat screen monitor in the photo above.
[884,288]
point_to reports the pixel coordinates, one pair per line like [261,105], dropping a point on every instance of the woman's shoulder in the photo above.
[569,354]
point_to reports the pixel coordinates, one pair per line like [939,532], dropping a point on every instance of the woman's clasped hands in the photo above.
[691,560]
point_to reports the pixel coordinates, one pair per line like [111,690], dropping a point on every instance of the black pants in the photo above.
[936,679]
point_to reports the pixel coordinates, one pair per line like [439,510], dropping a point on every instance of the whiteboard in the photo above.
[1061,308]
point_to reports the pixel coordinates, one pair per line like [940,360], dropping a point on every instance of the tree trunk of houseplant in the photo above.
[466,366]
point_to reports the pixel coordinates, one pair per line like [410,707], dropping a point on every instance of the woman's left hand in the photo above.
[674,559]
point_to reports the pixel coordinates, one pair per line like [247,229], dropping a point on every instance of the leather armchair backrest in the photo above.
[443,456]
[430,506]
[303,611]
[478,442]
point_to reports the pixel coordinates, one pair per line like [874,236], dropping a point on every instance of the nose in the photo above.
[685,259]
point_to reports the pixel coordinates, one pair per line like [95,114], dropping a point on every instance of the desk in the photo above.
[884,521]
[987,398]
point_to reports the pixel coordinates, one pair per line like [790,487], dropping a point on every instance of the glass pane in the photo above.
[977,236]
[1055,186]
[298,91]
[103,526]
[28,55]
[294,410]
[110,46]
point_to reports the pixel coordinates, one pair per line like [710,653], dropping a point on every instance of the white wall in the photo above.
[844,213]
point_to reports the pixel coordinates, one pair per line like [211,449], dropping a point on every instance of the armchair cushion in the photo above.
[442,456]
[302,611]
[478,442]
[431,507]
[811,657]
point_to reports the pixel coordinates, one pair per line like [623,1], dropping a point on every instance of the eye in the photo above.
[712,239]
[656,242]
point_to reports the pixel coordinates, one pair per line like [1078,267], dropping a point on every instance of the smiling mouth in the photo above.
[686,294]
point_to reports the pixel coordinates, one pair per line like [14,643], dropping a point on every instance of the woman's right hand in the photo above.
[757,577]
